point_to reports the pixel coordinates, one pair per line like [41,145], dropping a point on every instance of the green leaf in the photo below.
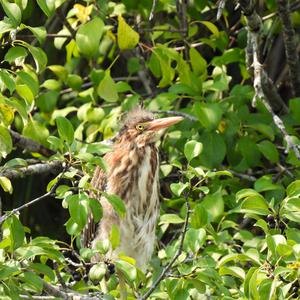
[6,184]
[209,114]
[39,32]
[107,89]
[294,105]
[209,156]
[39,56]
[114,236]
[30,81]
[7,80]
[269,151]
[59,71]
[65,129]
[74,81]
[192,149]
[15,54]
[88,37]
[265,183]
[43,269]
[249,151]
[170,219]
[199,216]
[264,129]
[46,102]
[78,211]
[8,271]
[195,239]
[213,28]
[255,205]
[5,142]
[96,209]
[198,63]
[34,281]
[127,37]
[17,233]
[293,190]
[117,203]
[284,250]
[214,205]
[178,188]
[233,271]
[127,269]
[13,11]
[47,6]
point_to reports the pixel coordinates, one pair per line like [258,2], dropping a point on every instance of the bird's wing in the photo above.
[98,183]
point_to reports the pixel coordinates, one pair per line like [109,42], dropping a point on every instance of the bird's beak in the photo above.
[162,123]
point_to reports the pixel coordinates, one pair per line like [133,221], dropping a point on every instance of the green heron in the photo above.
[133,175]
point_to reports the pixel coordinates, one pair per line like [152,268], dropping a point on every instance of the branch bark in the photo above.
[54,167]
[290,45]
[264,89]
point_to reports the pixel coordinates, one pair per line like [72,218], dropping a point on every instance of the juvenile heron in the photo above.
[133,175]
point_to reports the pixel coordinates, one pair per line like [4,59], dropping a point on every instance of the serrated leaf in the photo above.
[127,37]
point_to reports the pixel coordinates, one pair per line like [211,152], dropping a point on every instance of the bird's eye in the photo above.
[140,127]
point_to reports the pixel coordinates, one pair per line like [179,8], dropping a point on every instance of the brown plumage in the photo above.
[133,166]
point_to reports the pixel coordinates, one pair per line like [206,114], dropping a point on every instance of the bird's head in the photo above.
[141,128]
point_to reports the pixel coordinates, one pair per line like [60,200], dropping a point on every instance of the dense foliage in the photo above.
[70,69]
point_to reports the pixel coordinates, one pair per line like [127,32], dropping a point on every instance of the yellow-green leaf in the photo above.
[6,184]
[127,37]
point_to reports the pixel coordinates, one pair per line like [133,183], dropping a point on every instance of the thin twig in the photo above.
[151,16]
[181,6]
[262,83]
[167,268]
[48,194]
[290,45]
[221,7]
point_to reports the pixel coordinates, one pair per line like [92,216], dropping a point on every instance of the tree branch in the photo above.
[261,80]
[54,166]
[167,268]
[29,144]
[290,45]
[254,26]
